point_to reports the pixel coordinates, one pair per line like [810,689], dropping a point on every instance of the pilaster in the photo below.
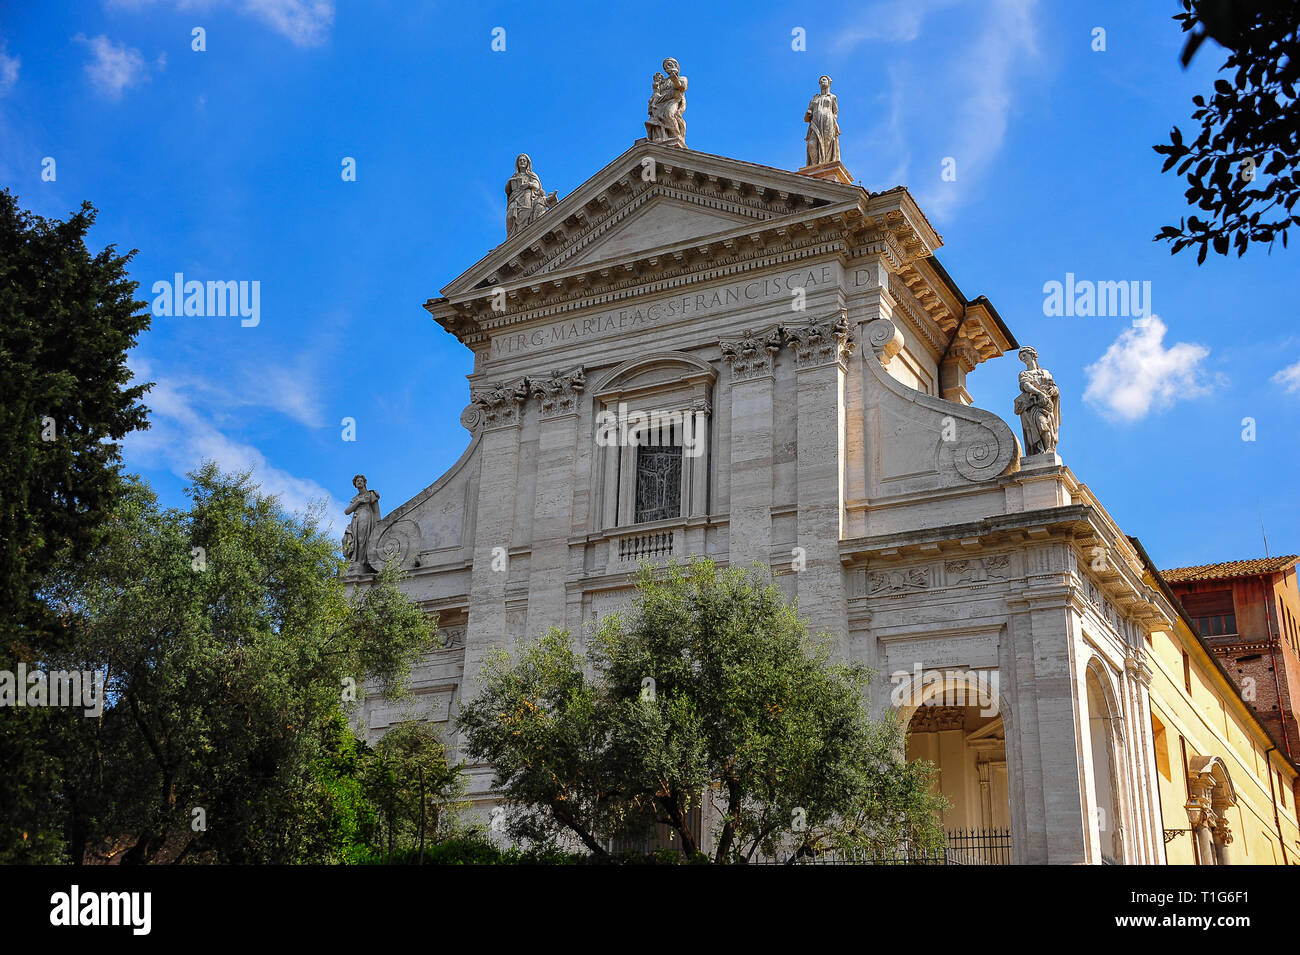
[752,359]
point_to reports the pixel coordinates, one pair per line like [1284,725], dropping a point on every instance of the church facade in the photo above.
[695,355]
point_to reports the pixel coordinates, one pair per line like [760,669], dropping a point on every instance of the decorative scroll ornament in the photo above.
[820,343]
[559,393]
[977,453]
[400,543]
[883,338]
[751,355]
[473,418]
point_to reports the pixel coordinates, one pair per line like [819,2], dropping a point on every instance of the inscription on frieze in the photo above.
[641,316]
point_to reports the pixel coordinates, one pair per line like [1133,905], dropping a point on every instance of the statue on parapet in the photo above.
[822,117]
[364,508]
[1039,405]
[526,200]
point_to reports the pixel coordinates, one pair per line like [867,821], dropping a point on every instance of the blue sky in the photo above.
[225,164]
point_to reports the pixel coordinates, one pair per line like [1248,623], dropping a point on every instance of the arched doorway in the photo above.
[957,726]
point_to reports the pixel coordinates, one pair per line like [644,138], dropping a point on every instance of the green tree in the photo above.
[368,803]
[229,642]
[414,789]
[1241,168]
[67,319]
[710,684]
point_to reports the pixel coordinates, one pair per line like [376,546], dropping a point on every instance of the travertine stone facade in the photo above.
[808,328]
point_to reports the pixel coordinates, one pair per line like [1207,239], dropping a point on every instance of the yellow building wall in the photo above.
[1213,722]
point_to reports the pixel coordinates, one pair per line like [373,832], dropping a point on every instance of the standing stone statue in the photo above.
[1039,405]
[526,200]
[667,105]
[364,509]
[823,126]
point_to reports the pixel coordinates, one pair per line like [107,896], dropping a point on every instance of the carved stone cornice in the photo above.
[820,343]
[501,403]
[751,356]
[965,353]
[925,324]
[559,393]
[780,218]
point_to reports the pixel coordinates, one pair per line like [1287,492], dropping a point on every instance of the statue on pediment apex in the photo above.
[667,123]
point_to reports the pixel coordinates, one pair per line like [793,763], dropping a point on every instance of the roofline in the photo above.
[1208,568]
[1205,648]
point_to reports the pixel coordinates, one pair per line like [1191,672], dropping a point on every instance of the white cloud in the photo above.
[1138,373]
[971,92]
[984,83]
[896,21]
[1289,378]
[8,72]
[114,67]
[303,22]
[184,432]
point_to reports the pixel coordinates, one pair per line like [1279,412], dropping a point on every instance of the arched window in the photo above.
[653,419]
[1105,735]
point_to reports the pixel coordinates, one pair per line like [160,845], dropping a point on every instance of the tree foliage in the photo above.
[229,640]
[709,687]
[67,319]
[1241,169]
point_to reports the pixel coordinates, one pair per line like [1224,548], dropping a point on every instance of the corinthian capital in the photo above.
[820,343]
[751,355]
[559,393]
[501,402]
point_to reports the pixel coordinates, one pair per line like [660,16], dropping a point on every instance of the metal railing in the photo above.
[961,847]
[646,546]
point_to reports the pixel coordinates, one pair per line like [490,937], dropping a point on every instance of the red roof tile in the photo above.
[1231,568]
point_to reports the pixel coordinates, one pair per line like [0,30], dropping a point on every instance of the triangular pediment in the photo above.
[650,197]
[654,220]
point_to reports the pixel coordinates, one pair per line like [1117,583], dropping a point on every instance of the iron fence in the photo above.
[961,847]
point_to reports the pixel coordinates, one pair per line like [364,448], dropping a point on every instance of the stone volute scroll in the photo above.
[364,508]
[526,200]
[822,117]
[667,106]
[970,444]
[884,339]
[1039,406]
